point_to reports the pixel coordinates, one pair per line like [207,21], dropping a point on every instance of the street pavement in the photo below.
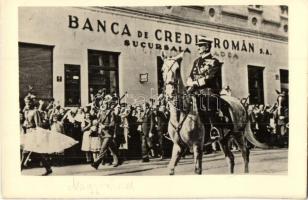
[271,162]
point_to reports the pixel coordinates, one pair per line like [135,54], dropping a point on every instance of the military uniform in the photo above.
[106,131]
[205,72]
[204,83]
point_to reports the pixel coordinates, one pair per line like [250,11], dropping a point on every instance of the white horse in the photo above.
[186,129]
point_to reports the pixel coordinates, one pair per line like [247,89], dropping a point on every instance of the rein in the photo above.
[179,128]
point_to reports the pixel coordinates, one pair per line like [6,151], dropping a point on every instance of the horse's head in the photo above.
[169,70]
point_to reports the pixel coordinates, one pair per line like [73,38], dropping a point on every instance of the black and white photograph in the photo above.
[141,90]
[154,91]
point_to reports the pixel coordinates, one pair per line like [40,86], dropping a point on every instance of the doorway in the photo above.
[284,80]
[72,85]
[255,84]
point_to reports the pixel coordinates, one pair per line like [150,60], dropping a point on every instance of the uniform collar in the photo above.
[206,55]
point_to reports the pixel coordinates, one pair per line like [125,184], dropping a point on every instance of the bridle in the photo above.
[180,124]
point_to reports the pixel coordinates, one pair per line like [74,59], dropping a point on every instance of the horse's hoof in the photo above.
[198,171]
[171,172]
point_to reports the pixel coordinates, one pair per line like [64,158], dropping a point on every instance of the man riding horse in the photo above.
[195,113]
[204,83]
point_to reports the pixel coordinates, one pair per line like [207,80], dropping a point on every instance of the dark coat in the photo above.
[147,123]
[108,120]
[162,122]
[212,76]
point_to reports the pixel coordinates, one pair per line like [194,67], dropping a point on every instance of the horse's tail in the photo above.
[251,138]
[240,119]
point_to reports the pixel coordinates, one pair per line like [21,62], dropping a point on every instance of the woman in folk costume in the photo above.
[73,129]
[86,139]
[96,142]
[31,123]
[40,140]
[124,113]
[57,127]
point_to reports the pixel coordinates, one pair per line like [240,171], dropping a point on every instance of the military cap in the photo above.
[202,40]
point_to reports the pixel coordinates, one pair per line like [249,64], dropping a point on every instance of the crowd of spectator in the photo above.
[130,122]
[83,125]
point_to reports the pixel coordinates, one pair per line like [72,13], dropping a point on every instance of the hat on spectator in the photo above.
[108,98]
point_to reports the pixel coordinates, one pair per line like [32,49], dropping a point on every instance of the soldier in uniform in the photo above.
[204,83]
[106,129]
[204,74]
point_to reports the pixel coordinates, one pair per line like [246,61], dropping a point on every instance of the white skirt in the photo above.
[86,141]
[96,144]
[41,140]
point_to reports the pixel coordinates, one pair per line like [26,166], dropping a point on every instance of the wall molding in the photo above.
[169,17]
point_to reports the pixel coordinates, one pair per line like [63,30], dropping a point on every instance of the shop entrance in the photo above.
[35,70]
[72,85]
[103,72]
[255,84]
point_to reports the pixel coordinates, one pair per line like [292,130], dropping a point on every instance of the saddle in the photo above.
[212,110]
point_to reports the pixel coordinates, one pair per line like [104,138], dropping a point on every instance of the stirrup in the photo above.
[215,133]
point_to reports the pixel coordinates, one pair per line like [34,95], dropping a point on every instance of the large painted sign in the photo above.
[180,41]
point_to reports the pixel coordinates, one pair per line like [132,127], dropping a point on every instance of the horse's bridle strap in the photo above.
[178,129]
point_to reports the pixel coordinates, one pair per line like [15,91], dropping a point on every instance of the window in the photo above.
[284,10]
[258,7]
[72,85]
[255,84]
[212,12]
[254,21]
[285,28]
[103,71]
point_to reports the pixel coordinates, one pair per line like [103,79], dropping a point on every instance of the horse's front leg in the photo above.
[176,156]
[198,153]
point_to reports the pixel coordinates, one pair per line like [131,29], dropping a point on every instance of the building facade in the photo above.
[69,53]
